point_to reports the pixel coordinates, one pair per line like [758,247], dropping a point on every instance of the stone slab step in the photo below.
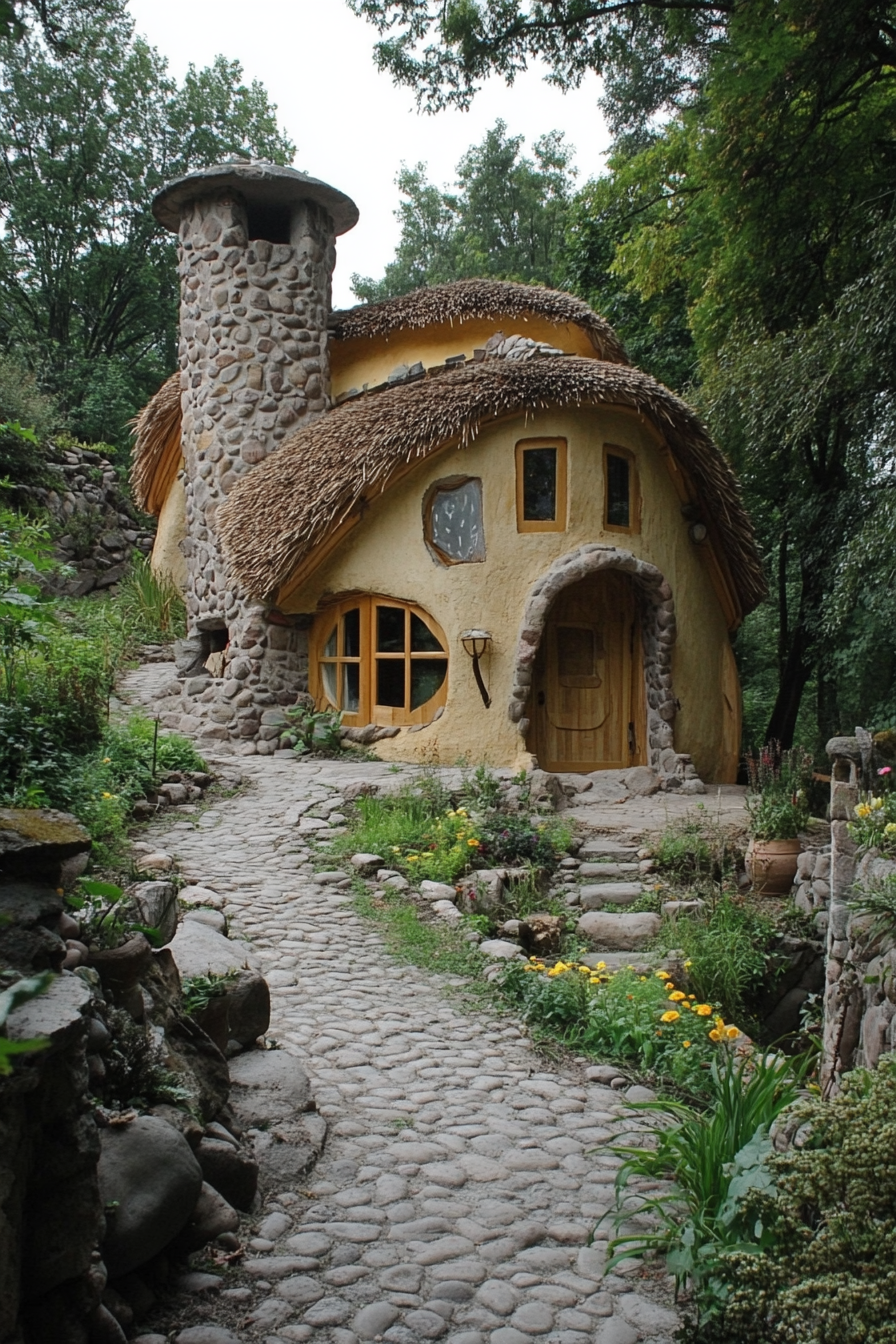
[610,893]
[604,870]
[619,932]
[607,848]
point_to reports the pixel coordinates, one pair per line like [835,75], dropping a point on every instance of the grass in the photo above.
[727,952]
[434,947]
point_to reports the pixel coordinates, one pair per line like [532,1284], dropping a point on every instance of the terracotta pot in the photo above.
[771,865]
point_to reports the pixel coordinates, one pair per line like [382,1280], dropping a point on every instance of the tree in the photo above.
[506,219]
[88,134]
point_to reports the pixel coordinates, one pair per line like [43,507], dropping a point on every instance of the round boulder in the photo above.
[149,1183]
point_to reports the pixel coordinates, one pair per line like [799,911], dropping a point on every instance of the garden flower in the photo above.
[601,966]
[107,795]
[732,1033]
[595,980]
[688,964]
[642,978]
[474,844]
[715,1034]
[107,760]
[671,1016]
[585,970]
[677,996]
[685,1045]
[885,770]
[890,828]
[863,810]
[876,804]
[703,1009]
[663,975]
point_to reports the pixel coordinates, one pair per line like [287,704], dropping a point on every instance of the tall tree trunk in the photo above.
[796,674]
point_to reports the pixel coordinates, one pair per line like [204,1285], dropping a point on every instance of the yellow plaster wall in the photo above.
[386,554]
[371,359]
[167,559]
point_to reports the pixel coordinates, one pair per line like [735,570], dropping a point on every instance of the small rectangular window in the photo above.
[541,485]
[621,503]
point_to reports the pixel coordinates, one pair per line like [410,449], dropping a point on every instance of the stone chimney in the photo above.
[257,250]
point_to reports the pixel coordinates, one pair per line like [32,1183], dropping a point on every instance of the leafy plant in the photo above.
[874,826]
[20,992]
[695,848]
[778,800]
[877,900]
[199,990]
[153,606]
[136,1072]
[711,1157]
[726,954]
[24,616]
[101,917]
[318,730]
[823,1268]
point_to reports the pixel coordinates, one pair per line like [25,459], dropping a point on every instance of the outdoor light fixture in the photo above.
[475,643]
[698,533]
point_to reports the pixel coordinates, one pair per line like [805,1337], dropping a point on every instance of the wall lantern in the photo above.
[475,643]
[698,533]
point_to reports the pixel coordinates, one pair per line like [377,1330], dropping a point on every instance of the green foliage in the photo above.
[104,922]
[318,730]
[727,954]
[637,1020]
[91,126]
[198,990]
[877,902]
[823,1271]
[710,1157]
[136,1072]
[24,556]
[874,826]
[152,607]
[506,219]
[694,848]
[778,800]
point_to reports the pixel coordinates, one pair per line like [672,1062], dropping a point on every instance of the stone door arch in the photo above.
[657,639]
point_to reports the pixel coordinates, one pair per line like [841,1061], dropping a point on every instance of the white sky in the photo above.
[353,128]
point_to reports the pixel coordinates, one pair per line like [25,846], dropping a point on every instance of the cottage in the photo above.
[460,517]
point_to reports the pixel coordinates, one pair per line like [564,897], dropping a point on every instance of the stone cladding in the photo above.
[254,367]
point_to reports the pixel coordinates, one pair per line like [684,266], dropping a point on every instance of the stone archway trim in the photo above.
[657,637]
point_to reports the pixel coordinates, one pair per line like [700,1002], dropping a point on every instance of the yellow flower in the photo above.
[559,968]
[715,1035]
[642,978]
[663,975]
[413,858]
[863,810]
[595,980]
[461,812]
[585,970]
[107,760]
[396,849]
[876,804]
[688,964]
[703,1009]
[720,1023]
[601,966]
[107,795]
[890,828]
[677,996]
[732,1033]
[671,1016]
[474,844]
[685,1045]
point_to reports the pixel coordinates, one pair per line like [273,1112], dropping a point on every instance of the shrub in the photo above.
[727,954]
[778,800]
[640,1020]
[708,1156]
[152,607]
[826,1273]
[695,848]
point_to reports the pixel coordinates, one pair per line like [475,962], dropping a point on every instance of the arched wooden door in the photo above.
[587,706]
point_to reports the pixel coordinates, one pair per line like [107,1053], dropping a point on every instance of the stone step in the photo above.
[607,848]
[619,932]
[609,893]
[603,870]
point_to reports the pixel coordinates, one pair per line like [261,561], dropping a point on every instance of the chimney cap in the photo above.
[258,183]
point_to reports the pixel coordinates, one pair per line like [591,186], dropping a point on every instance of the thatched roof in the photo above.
[156,455]
[293,501]
[468,300]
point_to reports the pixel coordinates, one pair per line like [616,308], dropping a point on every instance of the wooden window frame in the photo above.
[429,499]
[557,523]
[634,491]
[368,710]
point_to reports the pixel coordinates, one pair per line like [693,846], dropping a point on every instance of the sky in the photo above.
[352,126]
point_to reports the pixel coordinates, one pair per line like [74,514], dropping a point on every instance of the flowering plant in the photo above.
[778,799]
[446,848]
[875,822]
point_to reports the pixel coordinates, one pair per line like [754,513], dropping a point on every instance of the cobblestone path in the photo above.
[459,1184]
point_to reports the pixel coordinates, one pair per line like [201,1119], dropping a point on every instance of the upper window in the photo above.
[379,661]
[541,485]
[621,500]
[452,521]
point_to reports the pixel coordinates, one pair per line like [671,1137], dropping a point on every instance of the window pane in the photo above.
[540,485]
[422,638]
[575,651]
[618,506]
[328,677]
[427,675]
[390,682]
[351,687]
[330,646]
[351,633]
[389,633]
[456,522]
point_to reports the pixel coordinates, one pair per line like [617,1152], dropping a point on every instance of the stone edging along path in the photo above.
[461,1178]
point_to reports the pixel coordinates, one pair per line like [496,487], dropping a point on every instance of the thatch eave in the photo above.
[288,507]
[157,438]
